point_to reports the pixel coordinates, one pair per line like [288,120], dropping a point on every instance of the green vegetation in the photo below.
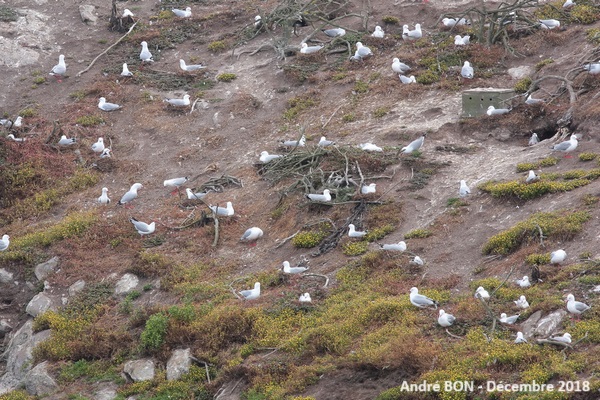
[217,46]
[309,239]
[355,248]
[546,162]
[538,259]
[89,120]
[349,117]
[154,334]
[587,156]
[548,184]
[584,14]
[226,77]
[361,87]
[593,35]
[557,225]
[298,104]
[523,85]
[7,14]
[543,63]
[38,80]
[91,371]
[390,20]
[428,77]
[418,234]
[378,233]
[381,112]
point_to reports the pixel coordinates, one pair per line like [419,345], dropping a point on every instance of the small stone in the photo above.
[43,270]
[87,14]
[39,304]
[521,72]
[179,364]
[38,381]
[126,284]
[139,370]
[5,276]
[76,287]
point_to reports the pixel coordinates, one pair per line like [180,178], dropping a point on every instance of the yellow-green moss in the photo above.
[528,191]
[298,104]
[593,35]
[16,395]
[538,259]
[380,112]
[74,224]
[89,120]
[546,162]
[226,77]
[390,20]
[587,156]
[523,85]
[584,14]
[308,239]
[355,248]
[349,117]
[559,225]
[378,233]
[361,87]
[428,77]
[418,233]
[543,63]
[217,46]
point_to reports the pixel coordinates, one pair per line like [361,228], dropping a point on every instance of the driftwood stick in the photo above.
[319,276]
[106,51]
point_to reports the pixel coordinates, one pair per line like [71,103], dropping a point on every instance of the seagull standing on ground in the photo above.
[5,242]
[145,54]
[464,189]
[325,197]
[566,146]
[60,69]
[481,293]
[575,307]
[126,71]
[532,177]
[378,33]
[467,70]
[534,139]
[420,300]
[175,182]
[414,145]
[324,142]
[361,51]
[103,199]
[98,147]
[223,211]
[293,270]
[522,302]
[399,67]
[130,195]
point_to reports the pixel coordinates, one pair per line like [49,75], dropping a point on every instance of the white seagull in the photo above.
[325,197]
[252,235]
[251,294]
[464,189]
[103,199]
[565,338]
[568,4]
[531,101]
[558,256]
[175,182]
[420,300]
[295,143]
[179,102]
[370,147]
[293,270]
[64,141]
[415,34]
[194,196]
[575,307]
[98,147]
[450,22]
[524,283]
[189,68]
[334,32]
[145,54]
[104,106]
[414,145]
[400,246]
[5,242]
[520,338]
[532,177]
[352,232]
[549,23]
[257,21]
[466,70]
[304,298]
[566,146]
[496,111]
[482,293]
[368,189]
[15,139]
[361,51]
[522,302]
[226,211]
[60,69]
[592,68]
[462,41]
[131,194]
[183,13]
[142,227]
[105,153]
[399,67]
[534,139]
[445,319]
[407,79]
[324,142]
[127,13]
[265,157]
[508,320]
[126,71]
[417,261]
[378,33]
[306,49]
